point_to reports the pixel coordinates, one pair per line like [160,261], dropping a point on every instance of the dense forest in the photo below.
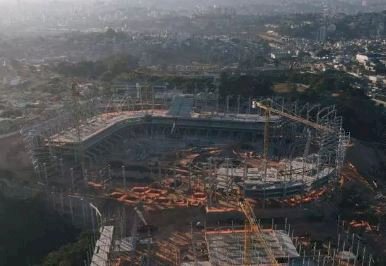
[105,70]
[30,231]
[361,116]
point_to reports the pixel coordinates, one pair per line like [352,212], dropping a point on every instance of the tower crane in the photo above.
[269,109]
[254,229]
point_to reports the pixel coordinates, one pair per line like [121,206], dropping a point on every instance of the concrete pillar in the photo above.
[227,103]
[61,167]
[83,211]
[363,256]
[61,202]
[71,209]
[45,173]
[85,175]
[238,104]
[72,179]
[124,176]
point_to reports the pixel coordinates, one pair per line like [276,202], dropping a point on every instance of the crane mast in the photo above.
[251,226]
[254,229]
[267,113]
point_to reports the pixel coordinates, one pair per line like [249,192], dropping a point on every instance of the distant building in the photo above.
[376,79]
[322,34]
[362,58]
[373,79]
[280,54]
[369,57]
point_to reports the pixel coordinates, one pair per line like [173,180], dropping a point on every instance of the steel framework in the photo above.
[312,132]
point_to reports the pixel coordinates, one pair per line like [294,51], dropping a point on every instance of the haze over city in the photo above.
[192,132]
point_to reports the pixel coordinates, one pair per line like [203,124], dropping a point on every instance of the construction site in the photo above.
[151,161]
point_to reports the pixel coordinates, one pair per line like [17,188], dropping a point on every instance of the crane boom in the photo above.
[266,136]
[293,117]
[256,230]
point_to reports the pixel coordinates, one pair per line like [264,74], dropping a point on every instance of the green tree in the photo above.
[29,231]
[70,254]
[245,85]
[122,63]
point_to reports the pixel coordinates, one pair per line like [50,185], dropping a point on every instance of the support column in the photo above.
[124,176]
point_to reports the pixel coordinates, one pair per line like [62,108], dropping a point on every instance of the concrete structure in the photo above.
[67,148]
[285,178]
[362,58]
[101,256]
[305,149]
[198,263]
[226,247]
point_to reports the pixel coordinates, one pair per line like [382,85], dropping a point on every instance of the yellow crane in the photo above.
[253,228]
[267,114]
[268,109]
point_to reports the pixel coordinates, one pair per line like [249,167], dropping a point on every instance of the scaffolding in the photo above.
[309,128]
[309,137]
[226,247]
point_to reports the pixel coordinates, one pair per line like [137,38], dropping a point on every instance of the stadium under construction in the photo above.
[293,150]
[183,152]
